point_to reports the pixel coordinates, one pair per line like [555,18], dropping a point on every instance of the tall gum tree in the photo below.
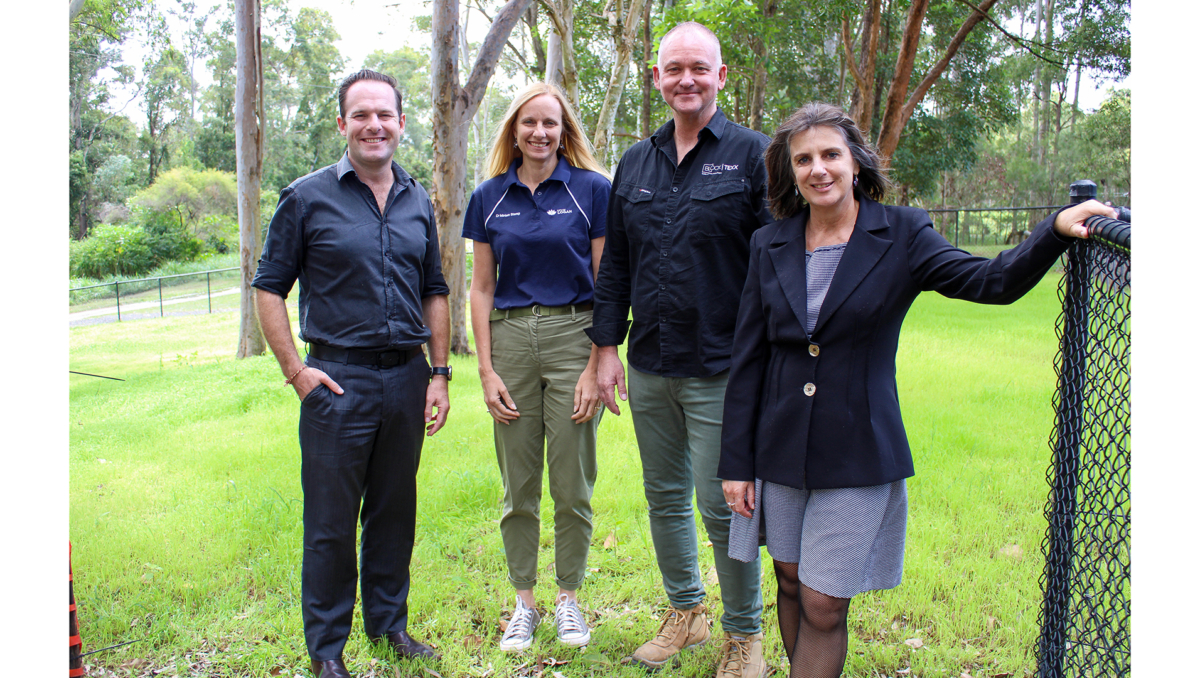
[248,139]
[624,27]
[454,106]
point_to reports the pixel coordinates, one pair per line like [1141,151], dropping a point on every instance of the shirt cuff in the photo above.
[609,334]
[274,278]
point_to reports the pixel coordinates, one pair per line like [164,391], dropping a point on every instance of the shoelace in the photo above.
[741,656]
[674,619]
[521,623]
[568,618]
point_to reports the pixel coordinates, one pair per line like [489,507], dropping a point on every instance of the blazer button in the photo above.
[814,350]
[810,388]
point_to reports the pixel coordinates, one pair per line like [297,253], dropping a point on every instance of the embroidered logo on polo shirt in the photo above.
[553,212]
[717,168]
[510,214]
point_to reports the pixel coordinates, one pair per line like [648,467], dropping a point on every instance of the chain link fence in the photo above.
[1085,617]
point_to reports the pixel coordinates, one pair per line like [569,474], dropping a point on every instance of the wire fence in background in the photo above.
[1085,615]
[181,294]
[986,231]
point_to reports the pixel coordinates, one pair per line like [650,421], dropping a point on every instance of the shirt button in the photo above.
[664,253]
[668,221]
[662,287]
[810,388]
[539,192]
[814,350]
[674,189]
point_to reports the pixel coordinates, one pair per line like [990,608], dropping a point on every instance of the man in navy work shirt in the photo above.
[684,204]
[360,237]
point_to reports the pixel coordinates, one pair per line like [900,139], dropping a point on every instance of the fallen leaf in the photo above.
[472,642]
[992,623]
[903,672]
[551,661]
[276,671]
[964,674]
[610,541]
[1012,551]
[710,578]
[431,672]
[1001,675]
[559,674]
[915,643]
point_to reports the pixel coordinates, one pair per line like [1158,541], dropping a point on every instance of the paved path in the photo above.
[81,317]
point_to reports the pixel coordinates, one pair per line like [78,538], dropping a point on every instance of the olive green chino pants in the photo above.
[540,360]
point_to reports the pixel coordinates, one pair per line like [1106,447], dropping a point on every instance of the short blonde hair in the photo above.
[575,146]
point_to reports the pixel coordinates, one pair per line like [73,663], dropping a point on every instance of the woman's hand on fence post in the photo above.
[1070,222]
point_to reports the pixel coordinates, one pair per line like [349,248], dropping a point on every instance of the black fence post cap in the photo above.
[1084,189]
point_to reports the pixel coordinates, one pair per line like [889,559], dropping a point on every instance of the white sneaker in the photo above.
[519,634]
[572,629]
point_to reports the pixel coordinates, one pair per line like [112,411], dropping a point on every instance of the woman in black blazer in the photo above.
[811,411]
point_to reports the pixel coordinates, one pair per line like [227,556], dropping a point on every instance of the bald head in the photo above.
[690,28]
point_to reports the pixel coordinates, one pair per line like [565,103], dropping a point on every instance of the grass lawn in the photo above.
[186,515]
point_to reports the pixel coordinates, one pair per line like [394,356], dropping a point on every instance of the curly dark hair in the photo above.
[781,180]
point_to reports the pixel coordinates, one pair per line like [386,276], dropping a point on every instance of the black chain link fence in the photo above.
[1085,612]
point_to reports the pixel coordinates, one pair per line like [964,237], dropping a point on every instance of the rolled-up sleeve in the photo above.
[283,250]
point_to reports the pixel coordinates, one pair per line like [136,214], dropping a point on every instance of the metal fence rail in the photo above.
[1085,612]
[141,293]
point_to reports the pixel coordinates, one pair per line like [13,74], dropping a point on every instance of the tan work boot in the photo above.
[680,629]
[742,657]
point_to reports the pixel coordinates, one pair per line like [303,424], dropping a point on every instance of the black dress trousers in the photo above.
[359,457]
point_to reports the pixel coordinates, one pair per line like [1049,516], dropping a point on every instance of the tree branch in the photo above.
[489,52]
[851,62]
[934,73]
[1021,42]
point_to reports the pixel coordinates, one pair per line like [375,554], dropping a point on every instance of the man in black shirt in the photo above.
[683,206]
[360,237]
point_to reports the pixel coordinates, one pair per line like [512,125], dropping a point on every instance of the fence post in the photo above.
[160,304]
[208,281]
[1068,433]
[117,285]
[956,212]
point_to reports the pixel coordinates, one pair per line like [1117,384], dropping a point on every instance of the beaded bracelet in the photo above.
[288,381]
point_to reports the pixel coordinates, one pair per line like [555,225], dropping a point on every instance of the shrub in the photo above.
[113,249]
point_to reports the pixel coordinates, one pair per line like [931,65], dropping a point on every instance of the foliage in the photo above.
[113,249]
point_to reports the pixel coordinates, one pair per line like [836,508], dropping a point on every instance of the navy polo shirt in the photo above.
[542,240]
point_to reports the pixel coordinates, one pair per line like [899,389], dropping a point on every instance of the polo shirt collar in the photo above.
[562,172]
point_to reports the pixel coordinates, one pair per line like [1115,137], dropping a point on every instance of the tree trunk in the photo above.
[863,69]
[530,17]
[897,114]
[560,52]
[248,140]
[453,109]
[624,28]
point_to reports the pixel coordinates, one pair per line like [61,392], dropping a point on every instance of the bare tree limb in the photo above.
[485,61]
[1021,42]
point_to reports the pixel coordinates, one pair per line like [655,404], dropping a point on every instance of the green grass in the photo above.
[186,514]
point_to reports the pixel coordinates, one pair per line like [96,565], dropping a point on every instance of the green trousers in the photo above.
[678,426]
[540,360]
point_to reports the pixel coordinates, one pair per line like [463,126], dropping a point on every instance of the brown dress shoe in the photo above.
[330,668]
[410,648]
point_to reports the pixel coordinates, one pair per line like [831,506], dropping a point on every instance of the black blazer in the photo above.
[822,411]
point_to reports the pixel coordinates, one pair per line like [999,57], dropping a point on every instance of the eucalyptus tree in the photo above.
[454,105]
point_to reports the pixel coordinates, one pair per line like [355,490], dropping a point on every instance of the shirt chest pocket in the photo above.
[719,207]
[635,204]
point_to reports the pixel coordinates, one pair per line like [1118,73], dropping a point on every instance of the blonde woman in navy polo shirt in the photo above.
[538,226]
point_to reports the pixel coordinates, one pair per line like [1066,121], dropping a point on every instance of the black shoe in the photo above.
[409,648]
[330,668]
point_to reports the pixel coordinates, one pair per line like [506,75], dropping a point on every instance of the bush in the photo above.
[113,249]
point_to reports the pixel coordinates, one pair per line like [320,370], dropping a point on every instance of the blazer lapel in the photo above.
[787,256]
[863,251]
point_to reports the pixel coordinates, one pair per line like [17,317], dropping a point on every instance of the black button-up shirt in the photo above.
[677,248]
[362,274]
